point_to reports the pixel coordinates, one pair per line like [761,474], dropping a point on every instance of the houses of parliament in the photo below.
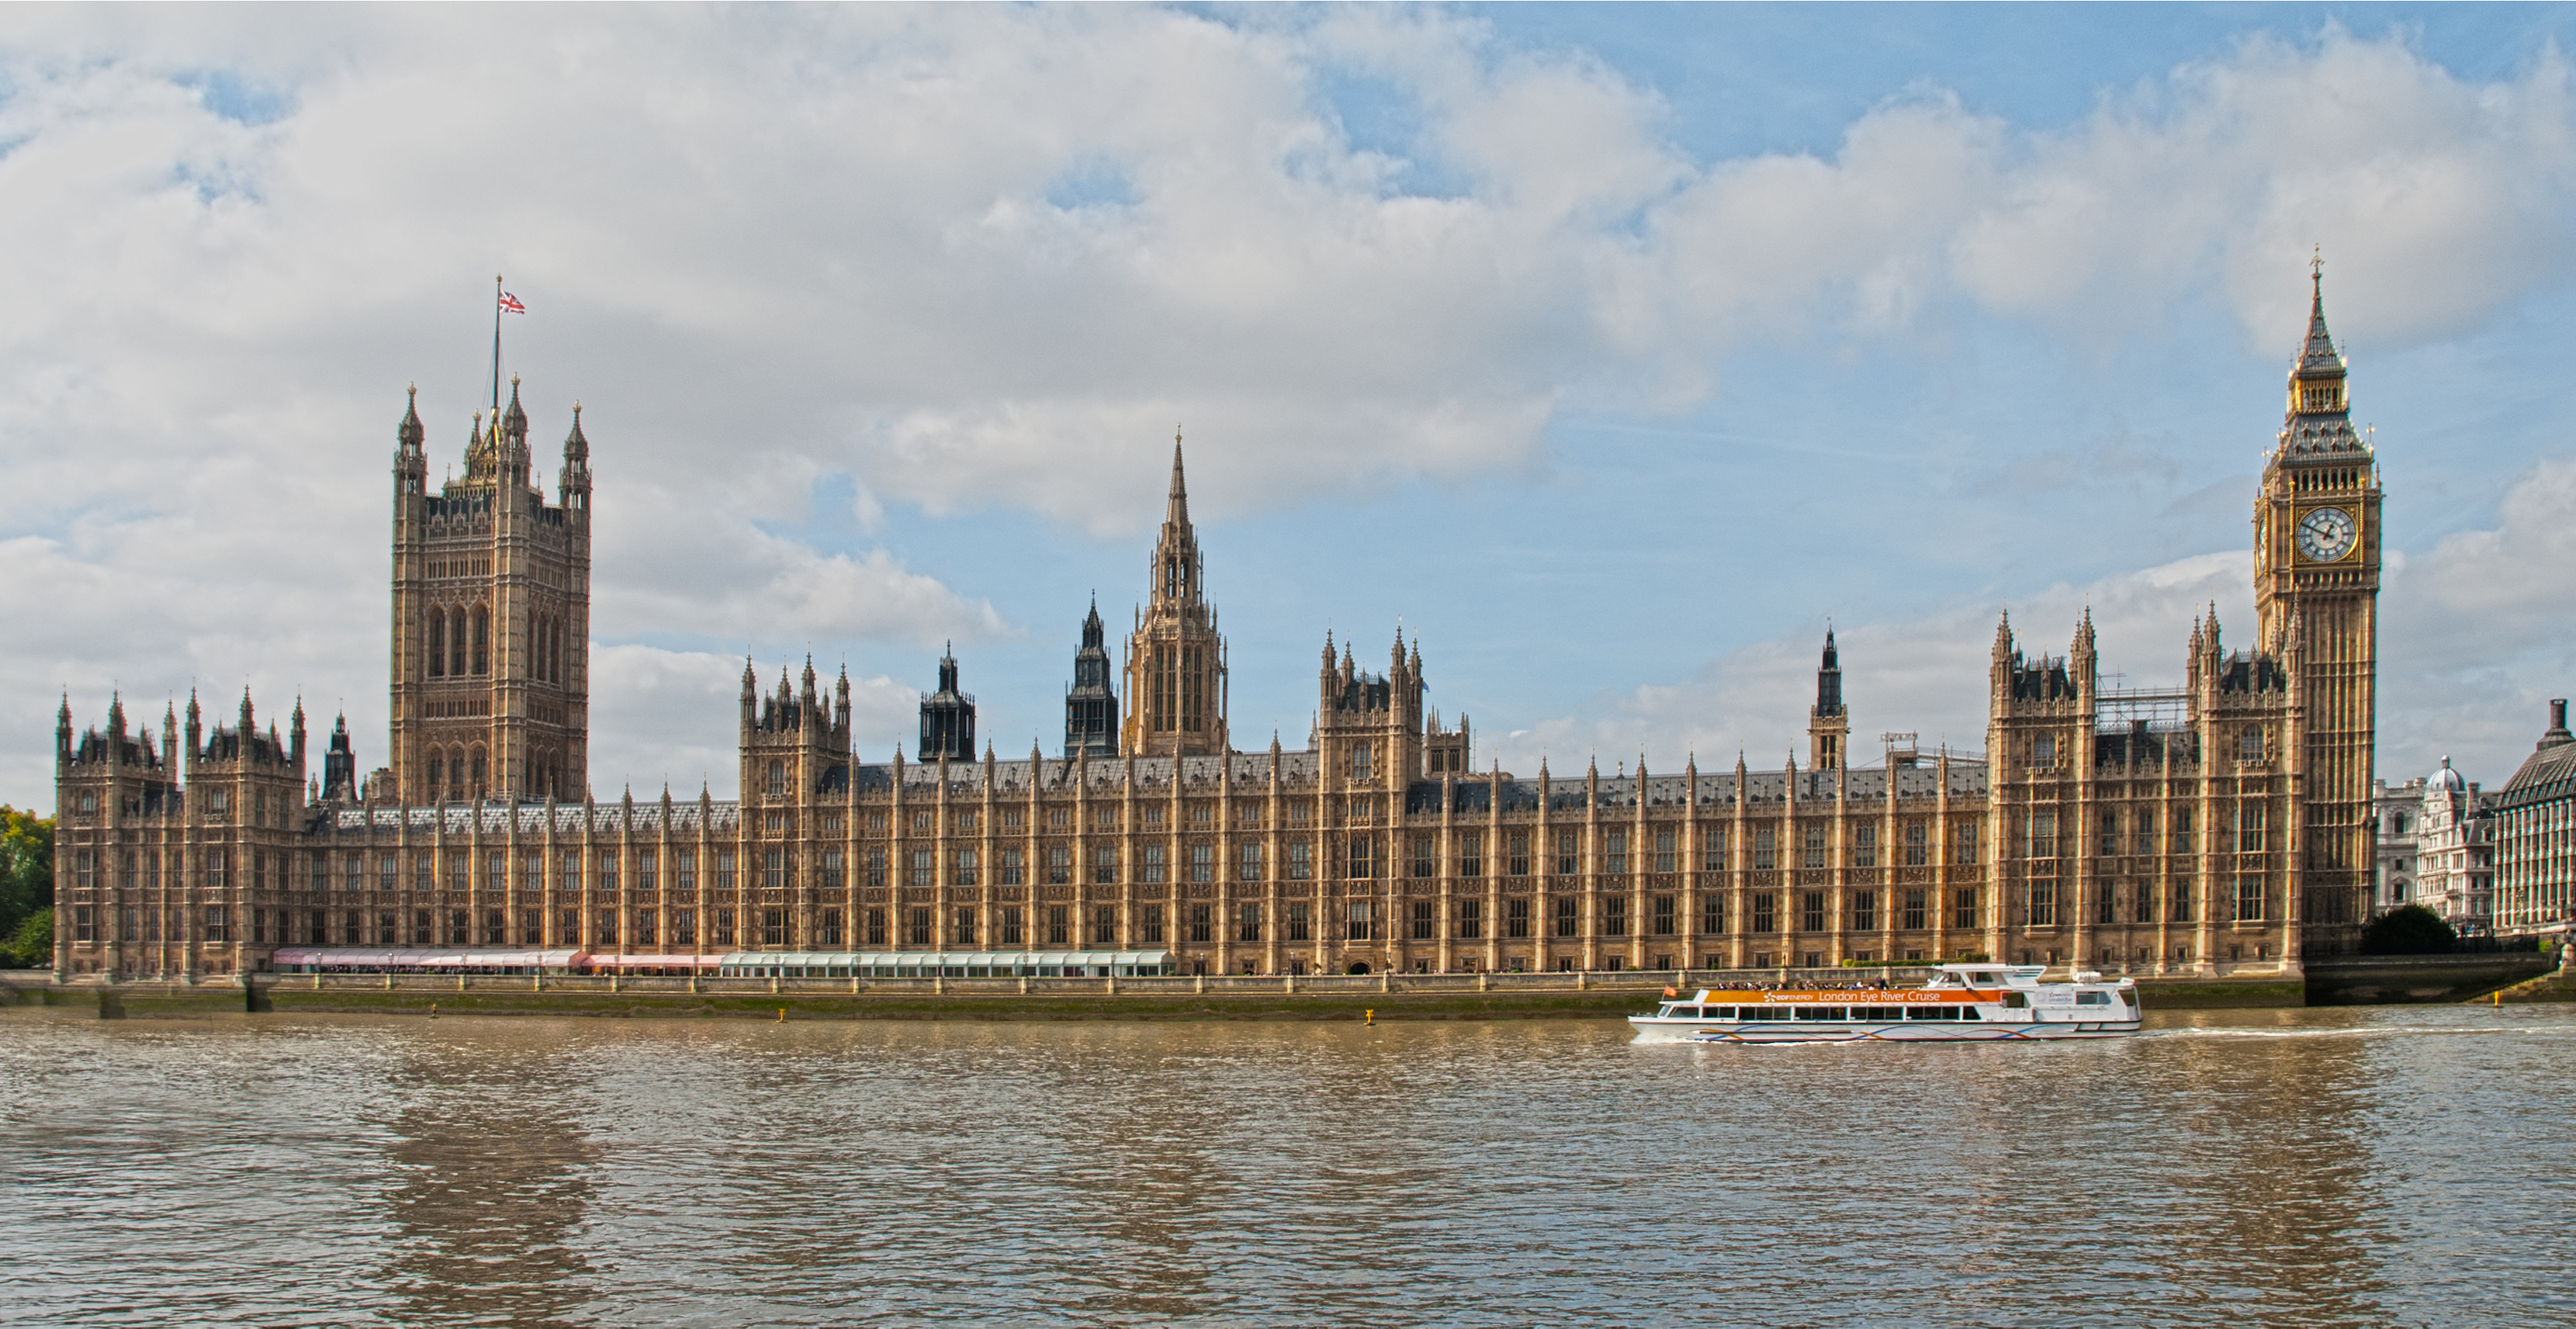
[2221,827]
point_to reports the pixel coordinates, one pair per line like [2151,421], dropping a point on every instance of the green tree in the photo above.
[26,867]
[2408,930]
[32,945]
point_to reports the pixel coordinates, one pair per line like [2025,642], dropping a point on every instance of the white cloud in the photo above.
[2475,636]
[1925,676]
[661,716]
[967,257]
[2436,201]
[2474,639]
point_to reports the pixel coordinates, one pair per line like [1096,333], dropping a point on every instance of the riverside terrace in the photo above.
[1380,996]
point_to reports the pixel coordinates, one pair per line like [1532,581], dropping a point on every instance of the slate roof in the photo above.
[1761,788]
[2547,775]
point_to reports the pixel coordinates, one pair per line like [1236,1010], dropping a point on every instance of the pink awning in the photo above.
[654,961]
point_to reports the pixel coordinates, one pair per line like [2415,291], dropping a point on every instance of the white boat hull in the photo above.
[1652,1030]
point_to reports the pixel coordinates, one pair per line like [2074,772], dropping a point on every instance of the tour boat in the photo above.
[1962,1003]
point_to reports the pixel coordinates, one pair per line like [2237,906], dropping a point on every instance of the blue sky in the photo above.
[1611,349]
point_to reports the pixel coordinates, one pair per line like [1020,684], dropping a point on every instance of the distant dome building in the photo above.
[2455,853]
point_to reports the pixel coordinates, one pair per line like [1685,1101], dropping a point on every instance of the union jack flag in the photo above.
[510,304]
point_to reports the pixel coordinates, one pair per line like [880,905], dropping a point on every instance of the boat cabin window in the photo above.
[1819,1013]
[1719,1013]
[2092,998]
[1763,1013]
[2016,1000]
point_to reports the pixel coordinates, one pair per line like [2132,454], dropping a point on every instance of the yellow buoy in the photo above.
[782,1015]
[1371,1017]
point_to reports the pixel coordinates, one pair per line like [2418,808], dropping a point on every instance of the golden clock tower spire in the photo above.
[2316,595]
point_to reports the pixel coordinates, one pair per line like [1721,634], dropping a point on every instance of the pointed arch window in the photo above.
[482,640]
[1164,670]
[437,644]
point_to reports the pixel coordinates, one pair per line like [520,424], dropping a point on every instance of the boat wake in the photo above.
[2361,1031]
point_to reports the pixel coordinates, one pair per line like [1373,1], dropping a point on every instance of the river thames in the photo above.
[2305,1167]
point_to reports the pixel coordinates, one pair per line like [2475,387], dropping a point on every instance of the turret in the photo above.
[340,765]
[411,461]
[1828,728]
[512,453]
[1090,704]
[575,480]
[947,717]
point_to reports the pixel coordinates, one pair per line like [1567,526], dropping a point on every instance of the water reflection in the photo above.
[489,1175]
[2296,1168]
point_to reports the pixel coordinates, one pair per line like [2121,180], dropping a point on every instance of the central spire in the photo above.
[1176,551]
[1175,661]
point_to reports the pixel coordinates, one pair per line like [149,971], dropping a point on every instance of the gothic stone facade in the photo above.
[2220,827]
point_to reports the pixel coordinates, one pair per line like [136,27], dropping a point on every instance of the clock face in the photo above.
[2326,534]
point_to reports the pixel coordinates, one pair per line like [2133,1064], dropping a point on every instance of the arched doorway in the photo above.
[1359,968]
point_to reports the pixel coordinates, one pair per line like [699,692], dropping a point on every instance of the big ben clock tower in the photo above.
[2316,565]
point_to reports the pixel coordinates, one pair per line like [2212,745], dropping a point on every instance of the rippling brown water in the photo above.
[2391,1166]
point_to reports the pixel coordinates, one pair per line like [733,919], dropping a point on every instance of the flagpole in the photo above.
[496,349]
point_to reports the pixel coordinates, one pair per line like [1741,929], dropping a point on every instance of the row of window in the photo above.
[143,868]
[1913,848]
[2248,832]
[2043,753]
[1010,866]
[463,773]
[98,923]
[457,643]
[2141,902]
[1058,924]
[264,810]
